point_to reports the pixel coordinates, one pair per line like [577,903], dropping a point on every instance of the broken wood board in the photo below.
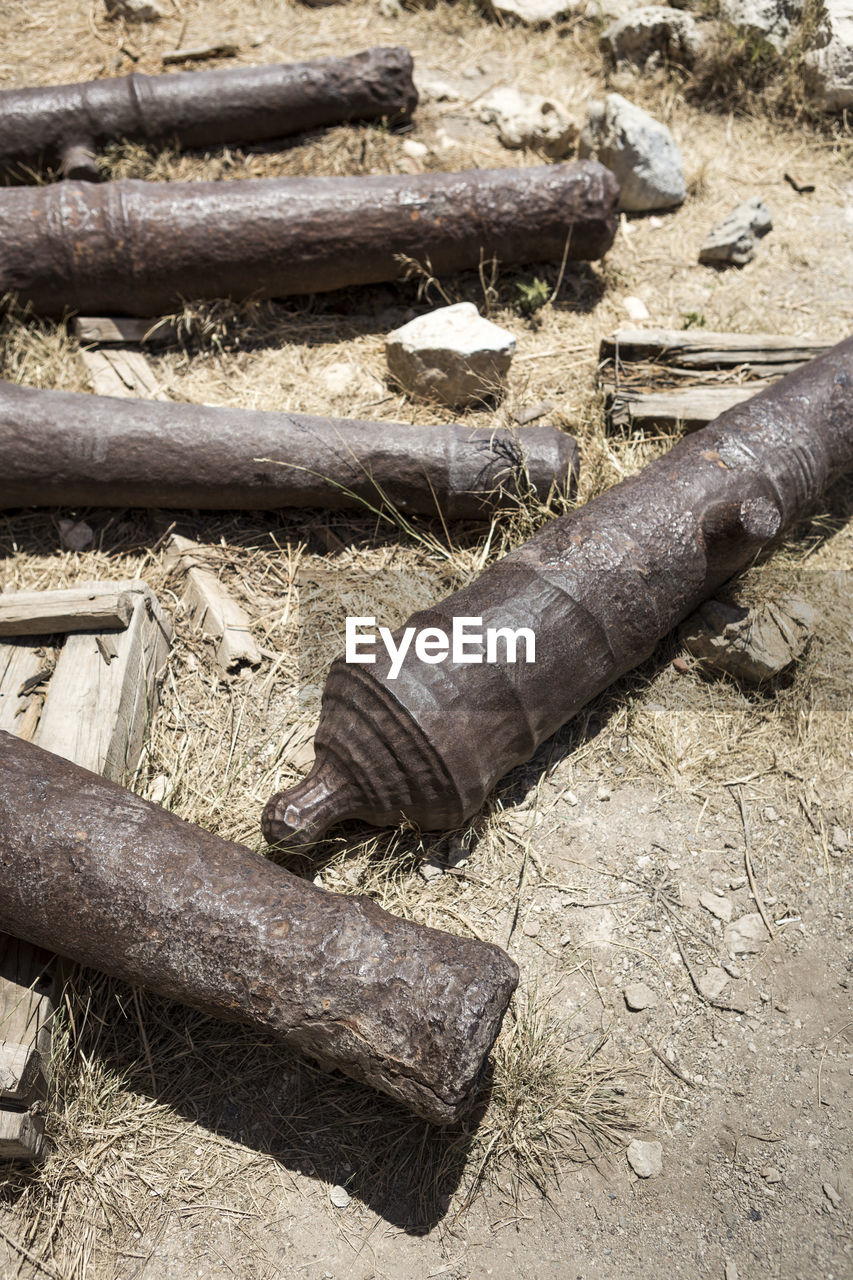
[122,373]
[671,378]
[213,610]
[124,330]
[71,706]
[99,607]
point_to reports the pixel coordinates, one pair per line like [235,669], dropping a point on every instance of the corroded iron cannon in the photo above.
[139,248]
[97,874]
[65,124]
[72,449]
[597,588]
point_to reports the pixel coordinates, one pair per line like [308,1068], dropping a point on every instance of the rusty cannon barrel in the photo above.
[91,871]
[66,448]
[140,248]
[66,124]
[429,737]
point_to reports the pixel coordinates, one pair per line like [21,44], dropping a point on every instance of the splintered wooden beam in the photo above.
[100,607]
[123,330]
[92,707]
[684,378]
[213,610]
[122,373]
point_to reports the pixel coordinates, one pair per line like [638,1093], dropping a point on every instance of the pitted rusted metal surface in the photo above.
[67,448]
[599,587]
[66,124]
[139,248]
[95,873]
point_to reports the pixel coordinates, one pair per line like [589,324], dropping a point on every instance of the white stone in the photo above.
[430,869]
[829,68]
[639,150]
[746,935]
[415,150]
[645,1158]
[772,20]
[636,309]
[453,355]
[638,996]
[432,86]
[134,10]
[160,789]
[533,13]
[339,1197]
[654,32]
[722,908]
[733,238]
[75,535]
[527,120]
[713,982]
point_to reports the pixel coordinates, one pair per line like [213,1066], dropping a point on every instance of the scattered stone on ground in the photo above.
[531,927]
[415,150]
[76,535]
[832,1195]
[639,150]
[430,869]
[770,1174]
[432,86]
[532,12]
[840,840]
[722,908]
[160,789]
[746,935]
[339,1197]
[829,67]
[730,1271]
[645,1158]
[529,120]
[134,10]
[751,644]
[638,996]
[713,982]
[775,21]
[635,309]
[453,355]
[732,240]
[652,35]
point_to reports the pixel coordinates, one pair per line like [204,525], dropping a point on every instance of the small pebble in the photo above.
[430,869]
[604,793]
[713,982]
[770,813]
[414,150]
[635,307]
[339,1197]
[832,1195]
[75,535]
[571,798]
[839,839]
[645,1158]
[730,1271]
[722,908]
[770,1174]
[531,928]
[681,665]
[638,996]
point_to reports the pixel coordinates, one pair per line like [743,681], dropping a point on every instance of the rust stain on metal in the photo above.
[153,900]
[142,247]
[599,587]
[65,124]
[71,449]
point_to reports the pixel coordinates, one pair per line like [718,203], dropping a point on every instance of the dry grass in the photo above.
[160,1111]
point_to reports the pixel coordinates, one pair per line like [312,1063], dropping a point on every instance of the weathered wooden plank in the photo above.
[122,373]
[701,348]
[21,1134]
[213,610]
[123,330]
[102,691]
[26,1015]
[100,607]
[20,664]
[688,410]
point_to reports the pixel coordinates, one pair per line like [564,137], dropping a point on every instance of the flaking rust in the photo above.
[95,873]
[66,124]
[599,587]
[142,248]
[71,449]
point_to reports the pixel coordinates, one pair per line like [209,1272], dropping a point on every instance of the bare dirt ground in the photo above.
[185,1148]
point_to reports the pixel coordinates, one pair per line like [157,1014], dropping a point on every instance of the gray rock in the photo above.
[76,535]
[430,869]
[733,239]
[772,20]
[645,1158]
[639,150]
[829,67]
[453,355]
[722,908]
[533,13]
[527,120]
[653,34]
[638,997]
[752,644]
[713,982]
[839,839]
[832,1195]
[134,10]
[746,935]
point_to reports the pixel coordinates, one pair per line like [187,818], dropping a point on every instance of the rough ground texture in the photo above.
[186,1148]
